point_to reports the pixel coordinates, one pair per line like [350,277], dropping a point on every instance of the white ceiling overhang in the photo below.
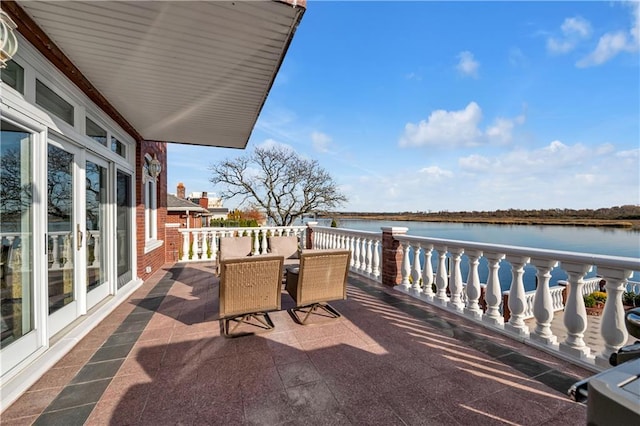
[194,72]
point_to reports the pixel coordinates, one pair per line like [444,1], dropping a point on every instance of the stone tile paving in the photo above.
[387,360]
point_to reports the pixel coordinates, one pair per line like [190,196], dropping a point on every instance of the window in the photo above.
[118,147]
[13,76]
[95,132]
[123,228]
[150,210]
[16,234]
[53,102]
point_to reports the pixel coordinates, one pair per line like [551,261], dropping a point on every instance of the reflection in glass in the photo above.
[95,132]
[118,147]
[96,196]
[16,234]
[13,76]
[61,235]
[52,102]
[123,228]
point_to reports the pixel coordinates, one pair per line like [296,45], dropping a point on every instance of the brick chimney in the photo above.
[204,201]
[181,190]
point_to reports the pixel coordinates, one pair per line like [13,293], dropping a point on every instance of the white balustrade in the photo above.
[201,244]
[539,304]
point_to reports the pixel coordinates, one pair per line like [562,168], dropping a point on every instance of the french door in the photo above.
[77,232]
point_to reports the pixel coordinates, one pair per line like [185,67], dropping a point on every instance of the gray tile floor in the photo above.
[160,359]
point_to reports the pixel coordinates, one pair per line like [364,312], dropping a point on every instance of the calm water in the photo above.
[607,241]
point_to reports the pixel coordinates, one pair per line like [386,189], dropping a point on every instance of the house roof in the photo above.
[175,204]
[188,72]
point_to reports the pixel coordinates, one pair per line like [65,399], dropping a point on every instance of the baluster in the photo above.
[427,273]
[185,245]
[517,298]
[612,327]
[575,314]
[255,239]
[351,248]
[368,254]
[473,285]
[264,243]
[376,259]
[416,269]
[55,250]
[356,253]
[96,249]
[493,291]
[543,303]
[455,283]
[441,276]
[214,245]
[406,266]
[68,251]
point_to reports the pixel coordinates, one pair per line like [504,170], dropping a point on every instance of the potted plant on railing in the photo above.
[630,300]
[594,302]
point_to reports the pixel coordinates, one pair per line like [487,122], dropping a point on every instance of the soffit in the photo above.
[188,72]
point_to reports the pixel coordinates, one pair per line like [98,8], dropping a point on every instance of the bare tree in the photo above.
[279,182]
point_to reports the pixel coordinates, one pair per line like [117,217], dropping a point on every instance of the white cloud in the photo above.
[555,175]
[321,141]
[271,143]
[449,128]
[613,43]
[608,46]
[435,172]
[458,129]
[467,65]
[573,31]
[502,129]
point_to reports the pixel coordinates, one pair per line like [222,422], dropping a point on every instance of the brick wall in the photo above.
[392,256]
[156,258]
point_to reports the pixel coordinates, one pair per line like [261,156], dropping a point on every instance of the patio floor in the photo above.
[159,358]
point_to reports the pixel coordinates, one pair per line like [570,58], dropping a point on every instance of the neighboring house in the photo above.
[213,205]
[88,102]
[181,214]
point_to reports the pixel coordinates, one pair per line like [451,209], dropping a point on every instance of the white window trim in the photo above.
[151,241]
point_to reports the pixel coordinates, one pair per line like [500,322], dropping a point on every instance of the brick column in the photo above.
[309,242]
[392,256]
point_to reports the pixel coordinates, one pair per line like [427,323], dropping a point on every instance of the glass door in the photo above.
[19,332]
[64,234]
[96,247]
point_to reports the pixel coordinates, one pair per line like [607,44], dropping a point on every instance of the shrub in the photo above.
[589,301]
[630,298]
[600,296]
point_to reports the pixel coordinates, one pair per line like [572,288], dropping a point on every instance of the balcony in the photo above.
[159,358]
[416,343]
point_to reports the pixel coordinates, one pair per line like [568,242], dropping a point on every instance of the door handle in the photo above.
[79,236]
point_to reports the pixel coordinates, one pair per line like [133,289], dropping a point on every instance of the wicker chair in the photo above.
[321,278]
[249,288]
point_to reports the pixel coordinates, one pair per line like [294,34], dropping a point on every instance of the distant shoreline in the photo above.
[630,224]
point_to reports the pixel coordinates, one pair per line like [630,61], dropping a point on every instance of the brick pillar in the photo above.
[506,313]
[392,256]
[309,242]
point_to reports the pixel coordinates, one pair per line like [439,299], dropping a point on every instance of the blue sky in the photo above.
[458,106]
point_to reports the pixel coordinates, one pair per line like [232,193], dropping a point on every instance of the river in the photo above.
[594,240]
